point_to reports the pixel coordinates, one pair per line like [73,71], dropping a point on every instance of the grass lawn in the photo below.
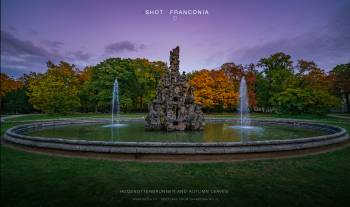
[29,179]
[35,117]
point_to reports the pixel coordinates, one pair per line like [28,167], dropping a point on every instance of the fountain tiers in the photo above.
[173,108]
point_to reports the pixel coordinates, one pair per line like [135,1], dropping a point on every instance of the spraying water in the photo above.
[243,107]
[115,102]
[115,107]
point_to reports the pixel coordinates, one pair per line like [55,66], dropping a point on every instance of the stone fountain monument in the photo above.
[173,108]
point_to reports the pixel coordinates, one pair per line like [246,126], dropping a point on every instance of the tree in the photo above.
[250,74]
[138,79]
[55,91]
[233,72]
[306,92]
[275,77]
[16,101]
[214,90]
[340,81]
[86,95]
[311,76]
[236,72]
[301,101]
[7,85]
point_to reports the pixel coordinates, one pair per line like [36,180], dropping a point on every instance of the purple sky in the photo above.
[85,32]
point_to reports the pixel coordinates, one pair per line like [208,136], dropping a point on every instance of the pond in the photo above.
[213,132]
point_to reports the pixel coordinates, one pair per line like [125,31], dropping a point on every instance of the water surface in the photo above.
[213,132]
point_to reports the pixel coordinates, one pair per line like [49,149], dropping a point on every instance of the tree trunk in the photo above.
[141,100]
[347,102]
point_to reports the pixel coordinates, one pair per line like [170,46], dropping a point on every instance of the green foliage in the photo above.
[274,78]
[262,91]
[340,79]
[56,91]
[16,101]
[301,101]
[278,87]
[342,71]
[137,79]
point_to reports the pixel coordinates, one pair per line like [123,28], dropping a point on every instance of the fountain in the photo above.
[174,109]
[243,104]
[115,106]
[115,101]
[243,109]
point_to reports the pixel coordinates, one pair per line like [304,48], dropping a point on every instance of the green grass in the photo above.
[35,117]
[29,179]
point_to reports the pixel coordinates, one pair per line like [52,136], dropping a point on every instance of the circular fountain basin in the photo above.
[213,132]
[114,125]
[220,136]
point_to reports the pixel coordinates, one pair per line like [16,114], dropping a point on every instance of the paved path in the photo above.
[4,118]
[339,116]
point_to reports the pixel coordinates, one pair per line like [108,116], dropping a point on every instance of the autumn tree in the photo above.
[86,94]
[308,91]
[214,90]
[340,82]
[309,75]
[250,74]
[7,85]
[55,91]
[235,73]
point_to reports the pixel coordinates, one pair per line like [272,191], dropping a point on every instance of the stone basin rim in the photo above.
[14,135]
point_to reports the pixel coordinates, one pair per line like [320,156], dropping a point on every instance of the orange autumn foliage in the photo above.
[84,75]
[235,72]
[8,84]
[251,80]
[214,89]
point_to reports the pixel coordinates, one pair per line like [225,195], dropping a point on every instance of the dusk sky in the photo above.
[85,32]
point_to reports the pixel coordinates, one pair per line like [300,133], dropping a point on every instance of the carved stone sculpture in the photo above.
[173,108]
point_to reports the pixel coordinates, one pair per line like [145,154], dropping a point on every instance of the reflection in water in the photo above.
[114,130]
[220,131]
[246,133]
[213,132]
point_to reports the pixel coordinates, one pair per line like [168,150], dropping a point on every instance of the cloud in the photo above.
[124,46]
[24,56]
[18,65]
[32,31]
[12,28]
[53,44]
[327,46]
[80,55]
[10,45]
[12,72]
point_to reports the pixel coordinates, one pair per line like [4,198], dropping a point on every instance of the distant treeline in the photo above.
[274,84]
